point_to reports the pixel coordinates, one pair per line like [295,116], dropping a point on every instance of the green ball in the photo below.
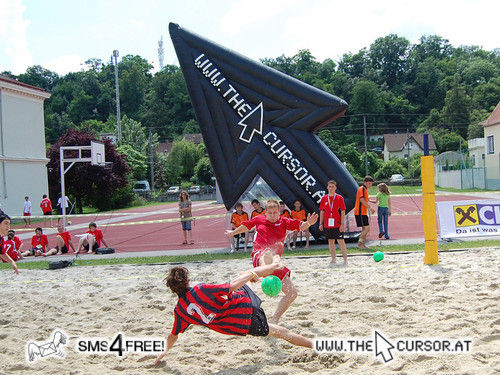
[271,285]
[378,256]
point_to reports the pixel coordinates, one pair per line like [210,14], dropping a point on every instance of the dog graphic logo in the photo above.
[51,348]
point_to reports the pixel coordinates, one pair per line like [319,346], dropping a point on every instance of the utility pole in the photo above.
[151,162]
[117,95]
[408,152]
[366,147]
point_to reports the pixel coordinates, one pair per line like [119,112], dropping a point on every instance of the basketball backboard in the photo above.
[97,155]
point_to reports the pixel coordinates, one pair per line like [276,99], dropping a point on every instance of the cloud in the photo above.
[65,64]
[137,23]
[244,13]
[13,28]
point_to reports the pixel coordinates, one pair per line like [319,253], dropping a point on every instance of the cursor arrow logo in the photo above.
[252,123]
[383,347]
[259,122]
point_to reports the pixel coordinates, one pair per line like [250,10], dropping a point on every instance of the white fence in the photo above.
[470,178]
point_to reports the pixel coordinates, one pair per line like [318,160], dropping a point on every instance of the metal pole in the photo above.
[408,152]
[151,161]
[117,95]
[63,193]
[366,147]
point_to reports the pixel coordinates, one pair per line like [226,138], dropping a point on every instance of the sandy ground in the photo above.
[400,297]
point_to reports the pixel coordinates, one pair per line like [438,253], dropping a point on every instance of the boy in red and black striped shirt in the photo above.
[231,308]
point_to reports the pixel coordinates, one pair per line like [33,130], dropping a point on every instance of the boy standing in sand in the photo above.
[332,219]
[231,308]
[361,211]
[268,244]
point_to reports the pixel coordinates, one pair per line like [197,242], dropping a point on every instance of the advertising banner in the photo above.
[469,218]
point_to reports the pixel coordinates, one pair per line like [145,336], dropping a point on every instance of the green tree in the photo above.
[456,111]
[182,159]
[388,168]
[203,171]
[388,56]
[136,161]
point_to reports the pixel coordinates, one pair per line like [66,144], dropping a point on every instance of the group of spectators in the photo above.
[46,206]
[12,247]
[332,218]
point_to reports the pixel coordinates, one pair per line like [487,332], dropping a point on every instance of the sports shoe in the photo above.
[381,234]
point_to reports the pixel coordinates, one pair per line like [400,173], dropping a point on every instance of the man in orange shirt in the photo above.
[361,211]
[238,217]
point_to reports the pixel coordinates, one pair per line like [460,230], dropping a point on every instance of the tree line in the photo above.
[430,86]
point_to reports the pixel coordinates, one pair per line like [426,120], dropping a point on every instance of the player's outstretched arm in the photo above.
[171,339]
[311,220]
[240,229]
[254,273]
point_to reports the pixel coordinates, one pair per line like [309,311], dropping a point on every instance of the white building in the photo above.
[22,146]
[492,141]
[401,145]
[476,152]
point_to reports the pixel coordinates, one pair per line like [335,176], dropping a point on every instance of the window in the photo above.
[490,149]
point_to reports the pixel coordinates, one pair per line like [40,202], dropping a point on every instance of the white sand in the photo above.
[399,296]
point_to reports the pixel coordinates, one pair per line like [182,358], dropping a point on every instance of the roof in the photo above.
[17,83]
[195,138]
[494,118]
[396,142]
[450,156]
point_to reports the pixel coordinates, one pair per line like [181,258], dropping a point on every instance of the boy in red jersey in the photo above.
[4,228]
[39,243]
[92,241]
[12,246]
[332,219]
[300,214]
[238,217]
[63,242]
[268,246]
[46,206]
[231,308]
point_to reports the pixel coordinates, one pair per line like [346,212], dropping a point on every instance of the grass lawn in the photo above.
[223,256]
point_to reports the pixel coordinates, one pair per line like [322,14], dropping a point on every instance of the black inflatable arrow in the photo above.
[258,121]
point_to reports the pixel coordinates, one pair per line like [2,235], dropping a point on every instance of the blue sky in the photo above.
[61,34]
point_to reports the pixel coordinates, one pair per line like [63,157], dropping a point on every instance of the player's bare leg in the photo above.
[343,247]
[91,241]
[285,302]
[285,334]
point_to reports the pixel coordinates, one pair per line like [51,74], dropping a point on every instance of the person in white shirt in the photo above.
[59,206]
[27,212]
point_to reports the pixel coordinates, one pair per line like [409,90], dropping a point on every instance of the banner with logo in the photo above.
[469,218]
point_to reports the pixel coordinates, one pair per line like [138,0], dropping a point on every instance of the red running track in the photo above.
[130,231]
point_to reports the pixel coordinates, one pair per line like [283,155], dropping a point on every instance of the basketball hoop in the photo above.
[97,155]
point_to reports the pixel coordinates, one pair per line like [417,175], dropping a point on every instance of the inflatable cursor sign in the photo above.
[257,121]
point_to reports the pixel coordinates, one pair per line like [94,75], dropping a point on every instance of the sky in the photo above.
[61,35]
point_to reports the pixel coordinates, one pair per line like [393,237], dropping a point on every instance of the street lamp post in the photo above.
[117,92]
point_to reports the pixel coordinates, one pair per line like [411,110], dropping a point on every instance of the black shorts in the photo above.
[362,220]
[259,326]
[95,246]
[334,234]
[47,213]
[63,249]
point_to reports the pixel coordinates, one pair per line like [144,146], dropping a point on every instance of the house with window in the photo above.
[402,145]
[492,149]
[23,160]
[476,152]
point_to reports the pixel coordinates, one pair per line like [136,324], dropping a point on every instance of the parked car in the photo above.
[141,188]
[195,189]
[397,179]
[174,190]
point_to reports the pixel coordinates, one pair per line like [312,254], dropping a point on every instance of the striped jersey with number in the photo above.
[213,306]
